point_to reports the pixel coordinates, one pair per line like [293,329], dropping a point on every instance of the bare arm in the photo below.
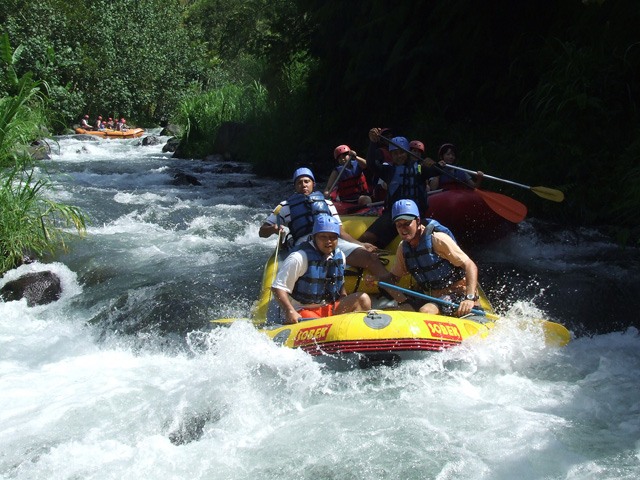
[362,162]
[471,275]
[345,236]
[266,230]
[330,182]
[392,277]
[282,297]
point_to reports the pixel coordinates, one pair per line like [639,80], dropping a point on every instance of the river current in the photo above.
[125,378]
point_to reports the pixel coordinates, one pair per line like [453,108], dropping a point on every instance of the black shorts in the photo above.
[384,230]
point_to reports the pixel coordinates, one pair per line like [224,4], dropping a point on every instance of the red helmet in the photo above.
[99,117]
[86,116]
[444,147]
[110,118]
[122,120]
[340,149]
[417,144]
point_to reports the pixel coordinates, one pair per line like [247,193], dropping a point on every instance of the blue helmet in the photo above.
[326,223]
[404,210]
[403,142]
[303,172]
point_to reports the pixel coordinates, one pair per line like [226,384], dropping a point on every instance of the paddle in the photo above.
[344,167]
[544,192]
[434,299]
[275,259]
[366,205]
[555,334]
[504,206]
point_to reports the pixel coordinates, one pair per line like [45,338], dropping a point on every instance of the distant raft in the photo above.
[129,133]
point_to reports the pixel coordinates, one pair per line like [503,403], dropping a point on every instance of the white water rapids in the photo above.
[124,378]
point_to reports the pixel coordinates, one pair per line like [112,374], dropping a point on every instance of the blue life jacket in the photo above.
[303,210]
[429,269]
[323,280]
[407,183]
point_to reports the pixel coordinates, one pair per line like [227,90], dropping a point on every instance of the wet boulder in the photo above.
[40,150]
[182,178]
[171,130]
[231,168]
[39,288]
[171,145]
[236,184]
[151,140]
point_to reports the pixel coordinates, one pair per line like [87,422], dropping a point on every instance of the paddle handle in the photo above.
[427,297]
[491,177]
[344,167]
[275,259]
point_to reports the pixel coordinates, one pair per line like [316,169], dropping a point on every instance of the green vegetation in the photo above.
[119,58]
[202,115]
[30,223]
[544,93]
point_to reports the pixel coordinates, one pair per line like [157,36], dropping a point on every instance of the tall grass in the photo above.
[202,114]
[30,223]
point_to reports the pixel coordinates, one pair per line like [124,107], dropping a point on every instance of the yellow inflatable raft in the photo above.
[382,336]
[130,133]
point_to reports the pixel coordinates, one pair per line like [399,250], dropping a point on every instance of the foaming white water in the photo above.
[97,149]
[237,406]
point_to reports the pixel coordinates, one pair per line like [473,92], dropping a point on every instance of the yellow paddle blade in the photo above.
[555,334]
[228,320]
[548,193]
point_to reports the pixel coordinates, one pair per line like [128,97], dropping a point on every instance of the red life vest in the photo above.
[352,187]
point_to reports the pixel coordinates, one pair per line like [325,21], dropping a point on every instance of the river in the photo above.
[124,378]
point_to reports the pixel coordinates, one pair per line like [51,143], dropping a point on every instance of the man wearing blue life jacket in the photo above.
[405,179]
[310,281]
[435,261]
[299,212]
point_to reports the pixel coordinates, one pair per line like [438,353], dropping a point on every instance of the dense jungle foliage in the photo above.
[543,93]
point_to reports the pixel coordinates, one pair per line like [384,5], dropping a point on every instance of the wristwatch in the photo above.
[471,297]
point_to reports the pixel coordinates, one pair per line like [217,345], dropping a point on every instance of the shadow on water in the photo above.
[161,316]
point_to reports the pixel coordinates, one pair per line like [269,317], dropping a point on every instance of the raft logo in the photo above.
[313,334]
[447,331]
